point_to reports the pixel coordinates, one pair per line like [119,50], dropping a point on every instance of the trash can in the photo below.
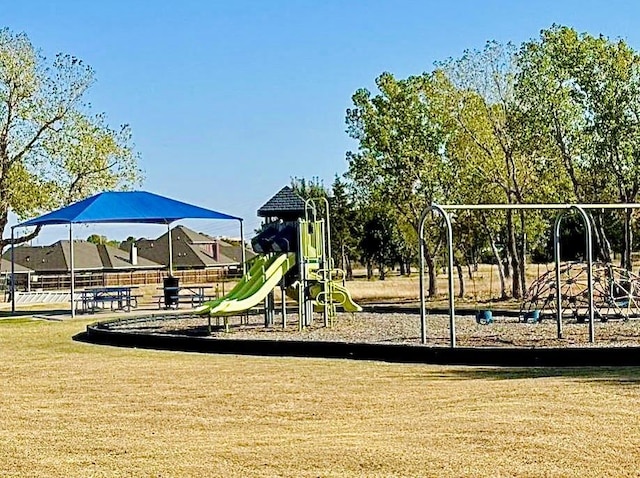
[171,289]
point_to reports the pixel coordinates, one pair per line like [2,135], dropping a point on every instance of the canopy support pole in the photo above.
[13,272]
[170,250]
[244,258]
[72,267]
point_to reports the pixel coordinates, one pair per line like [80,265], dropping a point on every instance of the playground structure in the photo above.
[294,255]
[616,293]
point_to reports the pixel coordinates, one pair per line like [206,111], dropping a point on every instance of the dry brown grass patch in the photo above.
[74,410]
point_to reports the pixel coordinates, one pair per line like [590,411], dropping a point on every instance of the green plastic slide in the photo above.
[259,263]
[340,296]
[254,290]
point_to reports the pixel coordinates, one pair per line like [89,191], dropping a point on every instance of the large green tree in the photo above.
[583,92]
[53,150]
[400,164]
[556,120]
[346,227]
[492,146]
[380,242]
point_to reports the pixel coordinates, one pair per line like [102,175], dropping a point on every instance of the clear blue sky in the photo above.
[229,100]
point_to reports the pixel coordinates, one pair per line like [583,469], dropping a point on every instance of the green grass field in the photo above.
[71,409]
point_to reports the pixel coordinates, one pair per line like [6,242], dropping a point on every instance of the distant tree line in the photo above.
[555,119]
[102,240]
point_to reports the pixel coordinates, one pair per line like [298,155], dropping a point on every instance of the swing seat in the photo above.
[532,316]
[484,317]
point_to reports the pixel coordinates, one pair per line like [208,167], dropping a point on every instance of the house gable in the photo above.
[190,249]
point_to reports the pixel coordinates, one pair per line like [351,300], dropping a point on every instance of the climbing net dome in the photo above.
[616,293]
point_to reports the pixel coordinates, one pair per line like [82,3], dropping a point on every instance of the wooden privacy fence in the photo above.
[97,279]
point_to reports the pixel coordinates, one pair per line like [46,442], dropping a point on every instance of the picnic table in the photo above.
[190,294]
[116,297]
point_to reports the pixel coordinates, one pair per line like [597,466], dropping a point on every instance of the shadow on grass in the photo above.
[607,375]
[621,364]
[43,312]
[612,375]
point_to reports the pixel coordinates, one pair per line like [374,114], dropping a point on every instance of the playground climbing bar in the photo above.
[444,210]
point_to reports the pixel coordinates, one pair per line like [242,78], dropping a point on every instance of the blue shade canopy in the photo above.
[126,206]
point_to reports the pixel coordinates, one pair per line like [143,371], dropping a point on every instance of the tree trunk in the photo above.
[513,252]
[433,274]
[603,246]
[382,270]
[408,267]
[630,245]
[505,263]
[348,268]
[523,279]
[496,254]
[369,270]
[460,281]
[402,270]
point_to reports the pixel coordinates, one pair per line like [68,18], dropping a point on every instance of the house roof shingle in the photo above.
[87,256]
[5,267]
[190,249]
[192,236]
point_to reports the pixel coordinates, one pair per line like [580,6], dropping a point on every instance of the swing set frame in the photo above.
[445,212]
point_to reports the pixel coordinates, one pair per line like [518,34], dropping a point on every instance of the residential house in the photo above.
[91,262]
[23,275]
[190,250]
[49,266]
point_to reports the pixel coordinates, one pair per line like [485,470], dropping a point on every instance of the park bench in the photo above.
[116,298]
